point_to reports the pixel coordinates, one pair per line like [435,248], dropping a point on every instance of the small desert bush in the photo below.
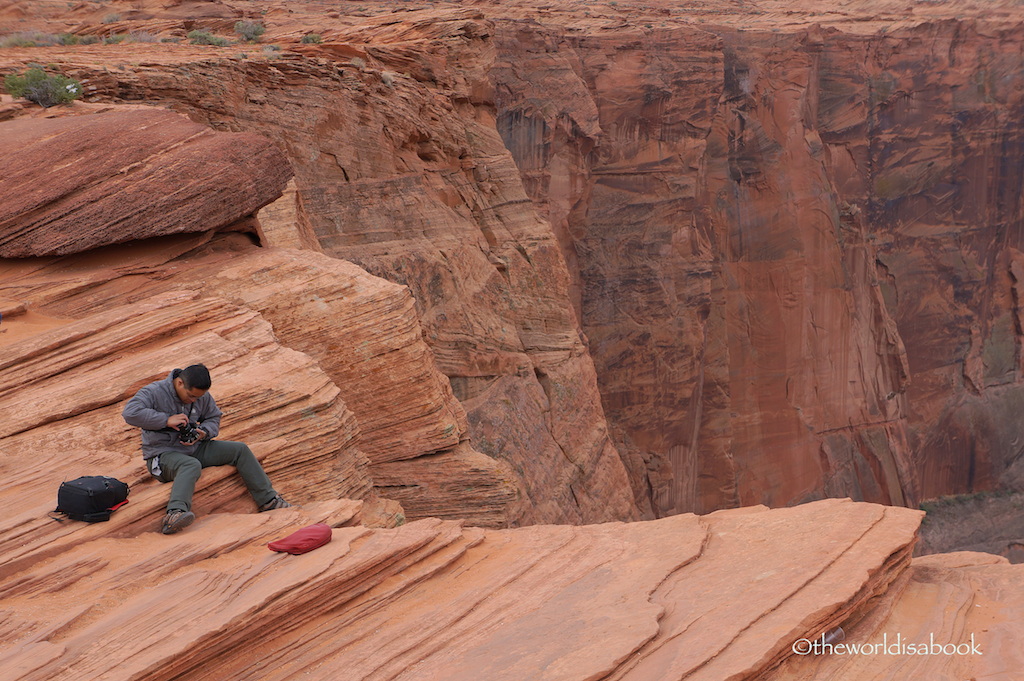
[110,18]
[38,86]
[115,38]
[207,38]
[312,38]
[30,39]
[143,37]
[250,31]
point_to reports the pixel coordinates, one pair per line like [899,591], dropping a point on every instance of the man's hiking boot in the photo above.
[274,504]
[177,520]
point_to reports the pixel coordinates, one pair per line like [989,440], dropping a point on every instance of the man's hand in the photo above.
[176,420]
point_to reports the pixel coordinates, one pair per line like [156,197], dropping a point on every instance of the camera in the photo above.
[187,432]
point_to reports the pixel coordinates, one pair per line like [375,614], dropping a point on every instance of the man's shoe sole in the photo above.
[179,523]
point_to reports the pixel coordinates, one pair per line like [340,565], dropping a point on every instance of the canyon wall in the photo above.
[794,249]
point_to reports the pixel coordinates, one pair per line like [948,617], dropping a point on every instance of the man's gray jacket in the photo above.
[154,403]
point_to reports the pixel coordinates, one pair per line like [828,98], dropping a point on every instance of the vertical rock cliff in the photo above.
[794,247]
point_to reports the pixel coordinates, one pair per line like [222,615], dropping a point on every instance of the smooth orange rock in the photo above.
[79,182]
[954,615]
[718,596]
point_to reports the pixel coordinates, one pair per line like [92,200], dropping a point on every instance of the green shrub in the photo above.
[312,38]
[43,89]
[207,38]
[250,30]
[115,38]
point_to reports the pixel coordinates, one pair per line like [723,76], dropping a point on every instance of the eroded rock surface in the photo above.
[440,209]
[357,334]
[75,183]
[780,246]
[687,597]
[953,610]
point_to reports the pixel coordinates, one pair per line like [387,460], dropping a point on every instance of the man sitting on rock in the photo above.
[161,409]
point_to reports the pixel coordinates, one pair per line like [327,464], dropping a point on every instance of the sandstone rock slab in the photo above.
[74,183]
[719,596]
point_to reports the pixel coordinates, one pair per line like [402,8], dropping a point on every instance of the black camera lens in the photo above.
[187,433]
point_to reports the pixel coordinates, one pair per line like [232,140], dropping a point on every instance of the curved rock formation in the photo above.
[164,173]
[686,597]
[359,334]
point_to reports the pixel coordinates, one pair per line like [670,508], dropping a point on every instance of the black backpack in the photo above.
[91,498]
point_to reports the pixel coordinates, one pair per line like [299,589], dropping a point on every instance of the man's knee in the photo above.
[185,465]
[227,453]
[244,453]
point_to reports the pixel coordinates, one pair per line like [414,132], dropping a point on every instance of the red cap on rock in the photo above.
[304,540]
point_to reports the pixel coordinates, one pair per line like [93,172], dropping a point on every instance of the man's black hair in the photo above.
[196,376]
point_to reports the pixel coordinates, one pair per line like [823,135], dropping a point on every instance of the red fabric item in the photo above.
[304,540]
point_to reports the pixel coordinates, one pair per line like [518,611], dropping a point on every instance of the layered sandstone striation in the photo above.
[687,597]
[951,610]
[404,174]
[293,338]
[81,182]
[374,360]
[436,600]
